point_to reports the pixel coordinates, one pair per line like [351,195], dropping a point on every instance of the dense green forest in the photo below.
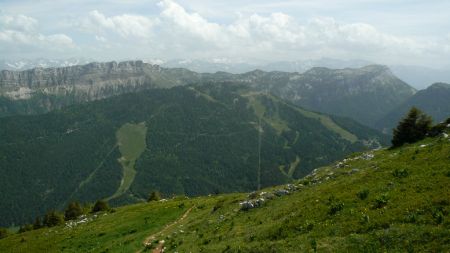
[199,140]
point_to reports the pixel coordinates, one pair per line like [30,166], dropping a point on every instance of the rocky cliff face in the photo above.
[42,90]
[91,81]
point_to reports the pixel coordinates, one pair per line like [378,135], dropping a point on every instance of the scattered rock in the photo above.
[267,195]
[81,220]
[281,192]
[291,187]
[339,165]
[250,204]
[368,156]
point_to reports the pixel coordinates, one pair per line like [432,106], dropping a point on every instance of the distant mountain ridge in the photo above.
[365,94]
[24,64]
[419,77]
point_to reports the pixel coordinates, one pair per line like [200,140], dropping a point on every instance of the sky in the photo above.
[383,31]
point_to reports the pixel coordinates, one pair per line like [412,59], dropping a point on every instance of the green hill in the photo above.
[191,140]
[378,201]
[434,100]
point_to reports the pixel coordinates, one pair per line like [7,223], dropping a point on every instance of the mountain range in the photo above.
[419,77]
[366,94]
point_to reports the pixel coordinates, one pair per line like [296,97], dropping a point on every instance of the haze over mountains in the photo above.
[419,77]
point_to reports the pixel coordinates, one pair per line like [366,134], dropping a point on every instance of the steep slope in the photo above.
[190,140]
[434,100]
[378,201]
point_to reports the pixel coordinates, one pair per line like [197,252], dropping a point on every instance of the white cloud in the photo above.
[282,36]
[264,30]
[192,23]
[126,25]
[17,22]
[17,31]
[100,38]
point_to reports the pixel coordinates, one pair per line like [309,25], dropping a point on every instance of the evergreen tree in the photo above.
[53,218]
[154,196]
[100,205]
[73,211]
[412,128]
[37,223]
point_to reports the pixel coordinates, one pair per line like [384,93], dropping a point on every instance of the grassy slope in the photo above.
[415,217]
[281,125]
[131,142]
[122,231]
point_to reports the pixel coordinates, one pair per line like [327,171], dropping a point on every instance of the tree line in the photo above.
[73,211]
[54,218]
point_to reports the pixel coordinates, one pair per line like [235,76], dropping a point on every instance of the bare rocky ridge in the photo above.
[93,81]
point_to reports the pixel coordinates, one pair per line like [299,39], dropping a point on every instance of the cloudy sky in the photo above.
[411,32]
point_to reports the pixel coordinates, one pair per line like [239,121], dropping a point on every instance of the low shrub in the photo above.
[400,173]
[154,196]
[53,218]
[99,206]
[335,205]
[381,201]
[73,211]
[363,194]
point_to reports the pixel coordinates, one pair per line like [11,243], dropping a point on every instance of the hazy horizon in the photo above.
[379,31]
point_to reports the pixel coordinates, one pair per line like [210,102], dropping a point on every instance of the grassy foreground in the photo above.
[381,201]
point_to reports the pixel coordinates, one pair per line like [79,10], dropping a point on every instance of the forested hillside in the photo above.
[192,140]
